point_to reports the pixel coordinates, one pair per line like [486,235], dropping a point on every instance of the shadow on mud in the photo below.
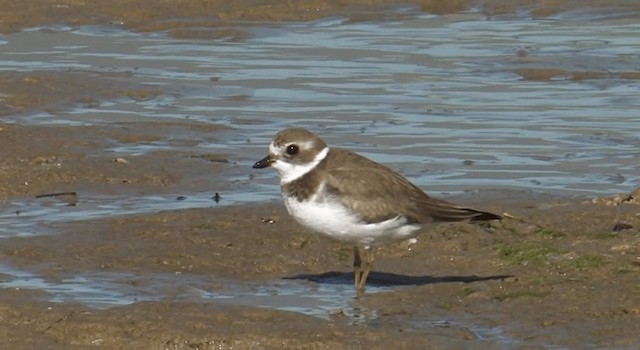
[385,279]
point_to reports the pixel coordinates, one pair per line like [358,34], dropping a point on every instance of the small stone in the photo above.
[522,53]
[621,227]
[622,248]
[268,220]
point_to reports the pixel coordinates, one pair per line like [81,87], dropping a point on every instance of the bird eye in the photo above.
[292,150]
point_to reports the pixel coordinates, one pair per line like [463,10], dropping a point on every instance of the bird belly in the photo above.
[332,219]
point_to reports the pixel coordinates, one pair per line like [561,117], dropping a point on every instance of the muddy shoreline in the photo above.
[564,271]
[209,19]
[560,266]
[561,272]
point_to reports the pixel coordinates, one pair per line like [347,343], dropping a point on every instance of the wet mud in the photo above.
[209,18]
[36,160]
[557,272]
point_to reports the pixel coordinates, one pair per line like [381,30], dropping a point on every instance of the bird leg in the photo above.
[357,262]
[362,268]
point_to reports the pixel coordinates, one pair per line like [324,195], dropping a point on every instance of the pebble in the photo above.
[621,227]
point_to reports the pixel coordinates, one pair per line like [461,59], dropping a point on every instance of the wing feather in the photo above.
[379,193]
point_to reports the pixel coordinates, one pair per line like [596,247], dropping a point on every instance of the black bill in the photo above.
[263,163]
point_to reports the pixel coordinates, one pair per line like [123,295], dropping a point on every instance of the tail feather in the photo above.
[452,213]
[484,216]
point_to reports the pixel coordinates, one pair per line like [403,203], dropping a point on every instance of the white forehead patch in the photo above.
[273,149]
[290,172]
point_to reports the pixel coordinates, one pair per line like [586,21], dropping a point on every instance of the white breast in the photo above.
[328,217]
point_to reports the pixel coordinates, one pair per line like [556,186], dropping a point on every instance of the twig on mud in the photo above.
[509,216]
[520,220]
[57,194]
[63,318]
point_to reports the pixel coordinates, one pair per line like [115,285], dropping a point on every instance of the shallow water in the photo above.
[425,94]
[436,97]
[107,289]
[326,299]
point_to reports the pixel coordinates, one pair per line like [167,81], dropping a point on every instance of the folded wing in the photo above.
[381,194]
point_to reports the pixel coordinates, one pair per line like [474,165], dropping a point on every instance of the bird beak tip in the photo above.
[263,163]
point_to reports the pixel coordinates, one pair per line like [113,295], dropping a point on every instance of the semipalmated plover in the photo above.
[348,197]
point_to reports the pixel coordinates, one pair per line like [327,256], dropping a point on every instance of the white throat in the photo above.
[290,172]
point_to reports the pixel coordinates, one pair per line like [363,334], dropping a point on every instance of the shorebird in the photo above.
[345,196]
